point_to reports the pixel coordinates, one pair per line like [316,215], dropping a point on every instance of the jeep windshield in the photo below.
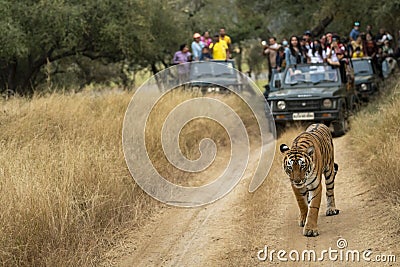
[310,74]
[209,71]
[362,67]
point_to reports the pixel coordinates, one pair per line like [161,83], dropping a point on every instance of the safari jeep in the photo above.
[217,76]
[315,93]
[366,76]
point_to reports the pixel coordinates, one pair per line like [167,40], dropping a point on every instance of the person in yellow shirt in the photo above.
[358,53]
[357,47]
[219,48]
[227,39]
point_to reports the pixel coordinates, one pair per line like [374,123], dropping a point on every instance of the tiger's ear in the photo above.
[284,148]
[310,150]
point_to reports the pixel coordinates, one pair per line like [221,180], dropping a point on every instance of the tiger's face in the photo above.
[298,165]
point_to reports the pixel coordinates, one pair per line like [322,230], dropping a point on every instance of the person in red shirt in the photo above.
[370,47]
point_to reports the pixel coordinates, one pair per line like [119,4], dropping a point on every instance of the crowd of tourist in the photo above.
[331,48]
[204,47]
[328,47]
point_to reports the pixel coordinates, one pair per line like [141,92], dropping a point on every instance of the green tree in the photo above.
[38,33]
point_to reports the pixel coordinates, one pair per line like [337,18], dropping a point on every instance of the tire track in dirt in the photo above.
[232,230]
[188,237]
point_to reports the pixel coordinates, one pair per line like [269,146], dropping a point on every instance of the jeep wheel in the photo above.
[341,126]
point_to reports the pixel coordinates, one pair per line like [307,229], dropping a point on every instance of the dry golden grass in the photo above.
[63,181]
[376,143]
[65,191]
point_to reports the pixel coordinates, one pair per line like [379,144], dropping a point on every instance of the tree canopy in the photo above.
[74,36]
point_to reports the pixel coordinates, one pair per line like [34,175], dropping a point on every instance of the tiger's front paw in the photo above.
[332,212]
[310,232]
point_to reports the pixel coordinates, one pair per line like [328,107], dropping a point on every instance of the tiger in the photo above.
[311,156]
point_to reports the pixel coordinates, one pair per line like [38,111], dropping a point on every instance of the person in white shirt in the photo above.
[316,54]
[197,46]
[333,50]
[272,50]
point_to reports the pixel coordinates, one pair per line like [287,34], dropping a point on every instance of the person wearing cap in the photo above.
[307,36]
[197,46]
[219,48]
[355,32]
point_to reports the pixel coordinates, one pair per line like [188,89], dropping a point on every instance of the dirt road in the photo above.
[232,231]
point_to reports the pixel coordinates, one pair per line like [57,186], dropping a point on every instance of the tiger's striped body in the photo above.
[310,156]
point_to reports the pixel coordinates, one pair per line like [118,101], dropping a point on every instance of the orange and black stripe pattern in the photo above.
[310,157]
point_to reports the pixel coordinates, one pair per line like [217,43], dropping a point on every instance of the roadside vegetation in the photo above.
[67,196]
[65,191]
[375,138]
[64,185]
